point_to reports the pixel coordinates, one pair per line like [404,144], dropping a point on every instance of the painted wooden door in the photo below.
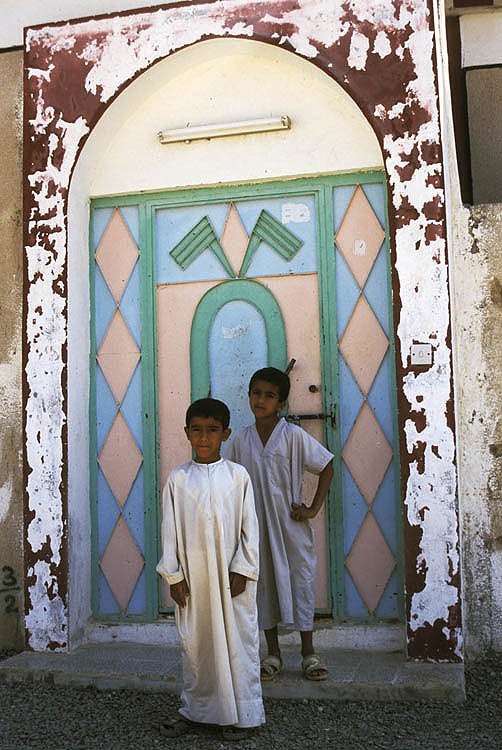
[369,580]
[238,289]
[191,292]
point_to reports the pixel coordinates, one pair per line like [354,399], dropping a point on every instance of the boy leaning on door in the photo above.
[223,520]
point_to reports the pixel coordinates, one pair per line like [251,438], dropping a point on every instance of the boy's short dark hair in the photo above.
[274,376]
[208,407]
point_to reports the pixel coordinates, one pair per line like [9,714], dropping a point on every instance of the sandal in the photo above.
[270,667]
[230,733]
[178,727]
[312,664]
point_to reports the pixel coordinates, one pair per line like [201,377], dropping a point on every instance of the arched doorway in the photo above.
[100,61]
[155,372]
[236,278]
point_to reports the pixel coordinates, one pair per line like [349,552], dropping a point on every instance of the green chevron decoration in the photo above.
[268,229]
[198,239]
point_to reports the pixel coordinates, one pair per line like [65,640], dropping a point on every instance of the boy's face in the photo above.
[206,435]
[264,399]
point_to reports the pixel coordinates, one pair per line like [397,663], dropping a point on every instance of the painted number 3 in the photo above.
[9,583]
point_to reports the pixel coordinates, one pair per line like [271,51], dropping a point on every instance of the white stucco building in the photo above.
[361,241]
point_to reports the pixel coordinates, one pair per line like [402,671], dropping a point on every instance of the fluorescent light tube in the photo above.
[244,127]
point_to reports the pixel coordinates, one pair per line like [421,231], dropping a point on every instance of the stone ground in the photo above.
[48,717]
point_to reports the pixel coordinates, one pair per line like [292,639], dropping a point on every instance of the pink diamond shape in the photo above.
[234,239]
[118,356]
[370,562]
[122,563]
[116,255]
[363,344]
[120,459]
[360,236]
[367,453]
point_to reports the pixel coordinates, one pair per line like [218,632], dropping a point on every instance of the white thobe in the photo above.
[209,528]
[286,587]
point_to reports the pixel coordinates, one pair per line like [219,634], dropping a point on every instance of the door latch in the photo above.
[296,418]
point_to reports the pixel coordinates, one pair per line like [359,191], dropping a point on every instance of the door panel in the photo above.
[258,318]
[117,470]
[192,292]
[367,415]
[176,306]
[300,300]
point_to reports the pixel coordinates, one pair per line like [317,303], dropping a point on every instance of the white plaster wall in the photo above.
[481,35]
[477,265]
[475,257]
[226,80]
[217,80]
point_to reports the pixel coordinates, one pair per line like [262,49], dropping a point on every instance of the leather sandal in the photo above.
[312,664]
[270,667]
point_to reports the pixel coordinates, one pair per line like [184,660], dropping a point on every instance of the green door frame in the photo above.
[322,189]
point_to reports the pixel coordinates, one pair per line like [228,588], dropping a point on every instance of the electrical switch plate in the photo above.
[421,354]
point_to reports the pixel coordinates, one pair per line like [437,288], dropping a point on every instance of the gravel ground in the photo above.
[56,718]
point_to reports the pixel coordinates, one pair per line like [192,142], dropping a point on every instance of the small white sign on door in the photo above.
[296,213]
[359,247]
[241,329]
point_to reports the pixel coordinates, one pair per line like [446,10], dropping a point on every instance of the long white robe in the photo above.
[209,528]
[286,587]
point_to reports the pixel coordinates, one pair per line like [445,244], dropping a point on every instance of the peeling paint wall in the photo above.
[383,54]
[11,283]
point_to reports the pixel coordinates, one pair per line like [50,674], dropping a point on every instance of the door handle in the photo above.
[295,418]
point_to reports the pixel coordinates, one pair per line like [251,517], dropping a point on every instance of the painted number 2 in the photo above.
[9,584]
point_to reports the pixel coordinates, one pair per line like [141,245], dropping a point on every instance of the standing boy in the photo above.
[276,454]
[210,559]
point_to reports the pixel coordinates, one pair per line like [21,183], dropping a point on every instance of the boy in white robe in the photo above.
[276,454]
[210,560]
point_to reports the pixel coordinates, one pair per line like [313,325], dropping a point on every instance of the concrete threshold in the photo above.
[353,674]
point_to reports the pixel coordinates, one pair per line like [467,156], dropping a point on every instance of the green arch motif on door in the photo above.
[243,290]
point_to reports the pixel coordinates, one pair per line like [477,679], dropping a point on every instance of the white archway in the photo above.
[213,81]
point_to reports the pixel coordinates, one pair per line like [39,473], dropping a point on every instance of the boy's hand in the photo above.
[237,583]
[301,512]
[179,592]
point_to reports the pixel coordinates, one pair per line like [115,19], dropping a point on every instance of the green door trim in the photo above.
[224,193]
[261,298]
[150,408]
[93,437]
[329,373]
[228,291]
